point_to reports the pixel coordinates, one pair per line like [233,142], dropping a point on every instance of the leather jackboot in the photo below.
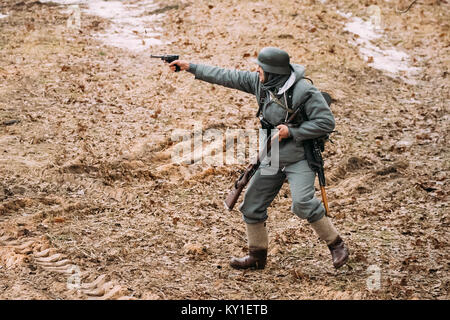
[339,252]
[256,259]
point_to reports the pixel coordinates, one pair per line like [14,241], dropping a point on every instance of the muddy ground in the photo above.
[92,207]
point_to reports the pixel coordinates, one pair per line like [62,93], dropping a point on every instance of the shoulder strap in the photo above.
[261,101]
[290,92]
[303,115]
[289,96]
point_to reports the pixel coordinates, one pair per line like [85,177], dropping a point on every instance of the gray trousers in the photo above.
[267,182]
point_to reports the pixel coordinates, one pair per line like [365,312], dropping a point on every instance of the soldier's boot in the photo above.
[327,232]
[257,248]
[339,252]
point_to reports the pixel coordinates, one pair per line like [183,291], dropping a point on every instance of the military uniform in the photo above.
[274,110]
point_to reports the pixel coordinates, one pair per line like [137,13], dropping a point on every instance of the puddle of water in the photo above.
[132,26]
[343,14]
[364,29]
[391,60]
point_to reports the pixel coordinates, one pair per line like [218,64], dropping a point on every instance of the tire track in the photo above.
[344,168]
[14,254]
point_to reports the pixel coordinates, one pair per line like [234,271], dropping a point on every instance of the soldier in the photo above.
[276,84]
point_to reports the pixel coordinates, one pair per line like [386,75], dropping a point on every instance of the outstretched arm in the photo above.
[241,80]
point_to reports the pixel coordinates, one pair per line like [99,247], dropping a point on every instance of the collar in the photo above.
[289,82]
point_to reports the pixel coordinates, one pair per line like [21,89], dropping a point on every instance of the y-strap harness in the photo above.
[287,95]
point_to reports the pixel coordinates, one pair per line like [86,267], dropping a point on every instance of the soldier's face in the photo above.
[261,74]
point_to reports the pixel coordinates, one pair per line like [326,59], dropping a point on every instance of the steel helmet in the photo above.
[274,60]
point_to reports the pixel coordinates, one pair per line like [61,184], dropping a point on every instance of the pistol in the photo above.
[168,58]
